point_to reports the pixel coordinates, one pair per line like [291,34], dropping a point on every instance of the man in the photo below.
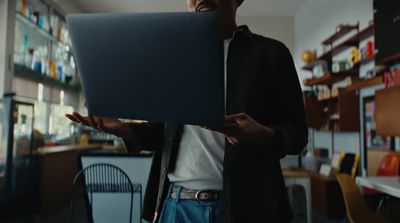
[230,174]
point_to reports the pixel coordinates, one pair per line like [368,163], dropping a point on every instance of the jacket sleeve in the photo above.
[145,137]
[291,131]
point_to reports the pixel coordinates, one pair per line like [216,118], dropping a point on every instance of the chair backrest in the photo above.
[357,210]
[348,163]
[104,178]
[389,165]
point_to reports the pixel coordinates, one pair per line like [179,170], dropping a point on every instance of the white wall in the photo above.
[277,27]
[315,21]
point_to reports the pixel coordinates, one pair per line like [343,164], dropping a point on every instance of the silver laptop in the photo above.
[160,67]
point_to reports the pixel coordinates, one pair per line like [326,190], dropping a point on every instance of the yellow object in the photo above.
[357,210]
[354,56]
[354,169]
[308,56]
[84,139]
[355,163]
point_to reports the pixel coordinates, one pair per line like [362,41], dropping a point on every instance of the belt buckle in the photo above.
[213,197]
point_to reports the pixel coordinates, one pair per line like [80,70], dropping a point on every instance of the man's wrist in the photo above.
[126,132]
[267,136]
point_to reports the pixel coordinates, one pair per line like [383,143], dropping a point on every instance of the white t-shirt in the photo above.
[199,164]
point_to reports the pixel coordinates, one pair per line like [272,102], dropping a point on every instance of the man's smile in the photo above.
[203,6]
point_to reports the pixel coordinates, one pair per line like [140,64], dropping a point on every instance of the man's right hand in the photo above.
[108,125]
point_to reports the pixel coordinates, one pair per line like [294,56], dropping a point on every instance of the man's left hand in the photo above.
[246,130]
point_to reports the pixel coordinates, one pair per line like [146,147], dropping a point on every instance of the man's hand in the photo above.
[108,125]
[246,130]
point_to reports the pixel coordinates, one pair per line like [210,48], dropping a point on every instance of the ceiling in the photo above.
[249,7]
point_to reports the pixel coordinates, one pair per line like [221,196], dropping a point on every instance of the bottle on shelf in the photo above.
[36,61]
[29,58]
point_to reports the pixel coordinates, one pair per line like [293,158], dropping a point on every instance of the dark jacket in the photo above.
[261,82]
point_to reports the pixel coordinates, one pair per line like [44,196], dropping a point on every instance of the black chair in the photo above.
[104,178]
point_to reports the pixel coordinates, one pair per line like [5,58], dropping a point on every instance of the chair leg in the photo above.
[141,219]
[131,209]
[345,219]
[380,205]
[91,203]
[71,214]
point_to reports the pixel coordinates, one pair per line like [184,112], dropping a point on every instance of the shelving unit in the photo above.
[331,78]
[23,72]
[341,112]
[42,46]
[365,83]
[23,19]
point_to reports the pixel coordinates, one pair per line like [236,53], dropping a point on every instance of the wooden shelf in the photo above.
[367,60]
[335,98]
[46,34]
[353,71]
[331,78]
[23,72]
[367,32]
[393,59]
[351,41]
[365,83]
[310,66]
[326,79]
[340,33]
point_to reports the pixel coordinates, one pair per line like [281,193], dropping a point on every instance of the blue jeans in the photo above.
[190,211]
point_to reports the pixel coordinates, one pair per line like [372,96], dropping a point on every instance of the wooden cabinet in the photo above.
[58,167]
[314,112]
[349,111]
[387,111]
[327,199]
[340,113]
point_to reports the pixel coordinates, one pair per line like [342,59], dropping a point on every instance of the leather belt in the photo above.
[202,195]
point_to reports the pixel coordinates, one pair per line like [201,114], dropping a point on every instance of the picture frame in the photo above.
[371,139]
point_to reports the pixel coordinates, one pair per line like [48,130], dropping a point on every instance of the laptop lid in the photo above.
[160,67]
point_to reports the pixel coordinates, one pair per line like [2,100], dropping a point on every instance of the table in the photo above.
[302,178]
[327,198]
[387,185]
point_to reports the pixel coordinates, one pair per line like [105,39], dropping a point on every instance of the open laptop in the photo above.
[160,67]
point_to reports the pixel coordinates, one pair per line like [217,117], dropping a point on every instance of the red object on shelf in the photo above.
[389,166]
[370,49]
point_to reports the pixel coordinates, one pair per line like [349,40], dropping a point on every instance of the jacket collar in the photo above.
[244,31]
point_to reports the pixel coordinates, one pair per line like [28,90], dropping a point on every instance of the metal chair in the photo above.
[104,178]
